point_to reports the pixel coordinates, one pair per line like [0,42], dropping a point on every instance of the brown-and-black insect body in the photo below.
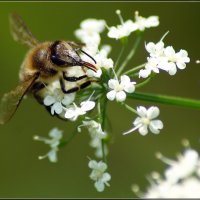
[44,63]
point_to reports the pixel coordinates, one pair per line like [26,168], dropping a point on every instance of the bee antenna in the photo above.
[88,56]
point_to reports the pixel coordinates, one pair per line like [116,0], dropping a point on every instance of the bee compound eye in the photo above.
[56,60]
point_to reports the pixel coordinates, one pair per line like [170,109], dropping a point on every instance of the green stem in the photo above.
[133,70]
[102,113]
[145,81]
[164,99]
[65,142]
[119,57]
[129,108]
[130,55]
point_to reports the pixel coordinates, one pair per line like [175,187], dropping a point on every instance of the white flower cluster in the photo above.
[56,99]
[97,134]
[181,178]
[54,141]
[89,33]
[119,89]
[99,174]
[164,58]
[129,26]
[145,120]
[63,104]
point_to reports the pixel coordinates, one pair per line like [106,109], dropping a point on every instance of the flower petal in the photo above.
[121,96]
[143,130]
[49,100]
[87,105]
[112,83]
[111,95]
[99,185]
[153,112]
[155,126]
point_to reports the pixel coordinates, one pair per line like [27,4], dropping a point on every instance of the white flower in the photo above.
[155,50]
[94,129]
[127,27]
[141,22]
[153,64]
[74,111]
[56,98]
[163,58]
[122,30]
[54,141]
[180,181]
[176,60]
[183,167]
[90,30]
[99,175]
[147,120]
[119,89]
[96,134]
[93,25]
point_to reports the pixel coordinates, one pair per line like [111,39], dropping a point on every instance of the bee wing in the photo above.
[10,101]
[76,45]
[20,31]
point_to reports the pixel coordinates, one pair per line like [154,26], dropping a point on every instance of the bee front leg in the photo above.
[62,84]
[73,78]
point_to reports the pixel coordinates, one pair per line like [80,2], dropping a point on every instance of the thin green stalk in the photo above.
[102,113]
[144,82]
[129,108]
[164,99]
[65,142]
[130,55]
[120,55]
[134,69]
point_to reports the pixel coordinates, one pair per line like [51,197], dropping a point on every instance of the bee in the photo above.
[44,63]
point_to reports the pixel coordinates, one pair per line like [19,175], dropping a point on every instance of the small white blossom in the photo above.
[153,65]
[176,60]
[186,164]
[141,22]
[129,26]
[163,58]
[147,120]
[57,99]
[122,30]
[96,134]
[181,179]
[54,141]
[99,175]
[90,30]
[119,89]
[155,50]
[72,112]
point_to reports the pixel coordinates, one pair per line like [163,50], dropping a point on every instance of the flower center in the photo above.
[145,120]
[118,88]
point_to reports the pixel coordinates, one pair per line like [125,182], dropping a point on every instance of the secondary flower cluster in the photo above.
[55,136]
[164,58]
[181,178]
[129,26]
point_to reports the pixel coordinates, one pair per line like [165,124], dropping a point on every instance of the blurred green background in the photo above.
[131,157]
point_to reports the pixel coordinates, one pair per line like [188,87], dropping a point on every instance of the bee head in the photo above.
[63,55]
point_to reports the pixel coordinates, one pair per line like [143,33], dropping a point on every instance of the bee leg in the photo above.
[73,78]
[62,84]
[37,87]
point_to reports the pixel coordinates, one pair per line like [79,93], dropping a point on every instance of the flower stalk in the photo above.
[164,99]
